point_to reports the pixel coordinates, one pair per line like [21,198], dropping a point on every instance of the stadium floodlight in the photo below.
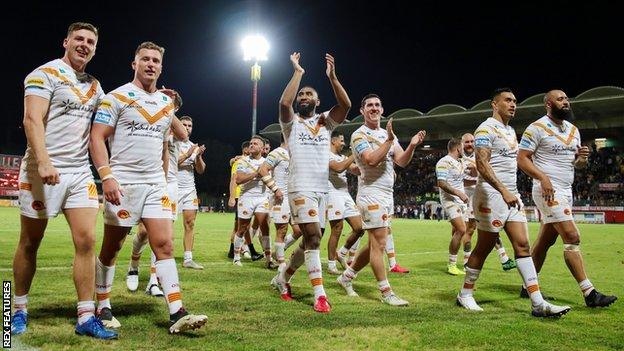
[255,47]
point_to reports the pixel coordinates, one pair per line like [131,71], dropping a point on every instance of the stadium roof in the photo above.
[599,113]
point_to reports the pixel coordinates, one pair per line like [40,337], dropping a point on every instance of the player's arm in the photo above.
[286,111]
[234,159]
[374,157]
[528,144]
[483,155]
[341,166]
[232,187]
[472,169]
[338,113]
[582,155]
[354,169]
[200,165]
[99,155]
[185,155]
[35,110]
[525,163]
[442,184]
[165,155]
[242,177]
[179,131]
[265,173]
[403,157]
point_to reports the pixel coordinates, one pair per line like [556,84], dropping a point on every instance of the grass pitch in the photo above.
[246,313]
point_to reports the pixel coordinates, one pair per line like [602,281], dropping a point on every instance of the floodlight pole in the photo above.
[255,77]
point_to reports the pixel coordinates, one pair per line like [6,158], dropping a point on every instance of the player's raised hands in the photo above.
[330,70]
[418,138]
[389,130]
[294,59]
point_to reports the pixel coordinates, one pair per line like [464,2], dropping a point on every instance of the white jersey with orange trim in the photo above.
[338,181]
[186,171]
[451,171]
[254,187]
[503,145]
[554,151]
[174,154]
[141,121]
[279,159]
[73,97]
[380,177]
[308,143]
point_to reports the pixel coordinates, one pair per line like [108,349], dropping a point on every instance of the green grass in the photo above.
[245,313]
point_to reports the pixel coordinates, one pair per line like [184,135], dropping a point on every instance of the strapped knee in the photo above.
[572,247]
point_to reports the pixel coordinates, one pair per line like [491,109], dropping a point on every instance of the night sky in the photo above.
[435,53]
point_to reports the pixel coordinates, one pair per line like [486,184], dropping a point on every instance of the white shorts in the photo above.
[187,199]
[470,210]
[250,204]
[280,213]
[138,201]
[376,209]
[492,212]
[37,200]
[172,191]
[455,210]
[340,206]
[559,210]
[308,207]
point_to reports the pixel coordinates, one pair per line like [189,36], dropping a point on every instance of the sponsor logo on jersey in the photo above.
[123,214]
[497,223]
[312,212]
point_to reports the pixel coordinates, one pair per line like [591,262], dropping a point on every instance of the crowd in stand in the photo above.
[416,196]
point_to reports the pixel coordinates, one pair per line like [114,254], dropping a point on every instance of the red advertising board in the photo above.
[9,174]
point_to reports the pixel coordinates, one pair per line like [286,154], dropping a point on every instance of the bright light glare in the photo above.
[255,47]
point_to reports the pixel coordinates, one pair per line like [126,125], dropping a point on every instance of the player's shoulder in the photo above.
[358,133]
[50,67]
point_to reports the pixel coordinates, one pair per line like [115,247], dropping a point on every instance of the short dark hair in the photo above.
[259,137]
[186,118]
[336,134]
[499,91]
[453,143]
[368,96]
[244,144]
[81,25]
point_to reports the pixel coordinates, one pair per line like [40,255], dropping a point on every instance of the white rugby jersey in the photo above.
[337,181]
[254,187]
[279,159]
[174,153]
[451,171]
[503,145]
[379,177]
[186,171]
[73,97]
[308,143]
[554,150]
[141,121]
